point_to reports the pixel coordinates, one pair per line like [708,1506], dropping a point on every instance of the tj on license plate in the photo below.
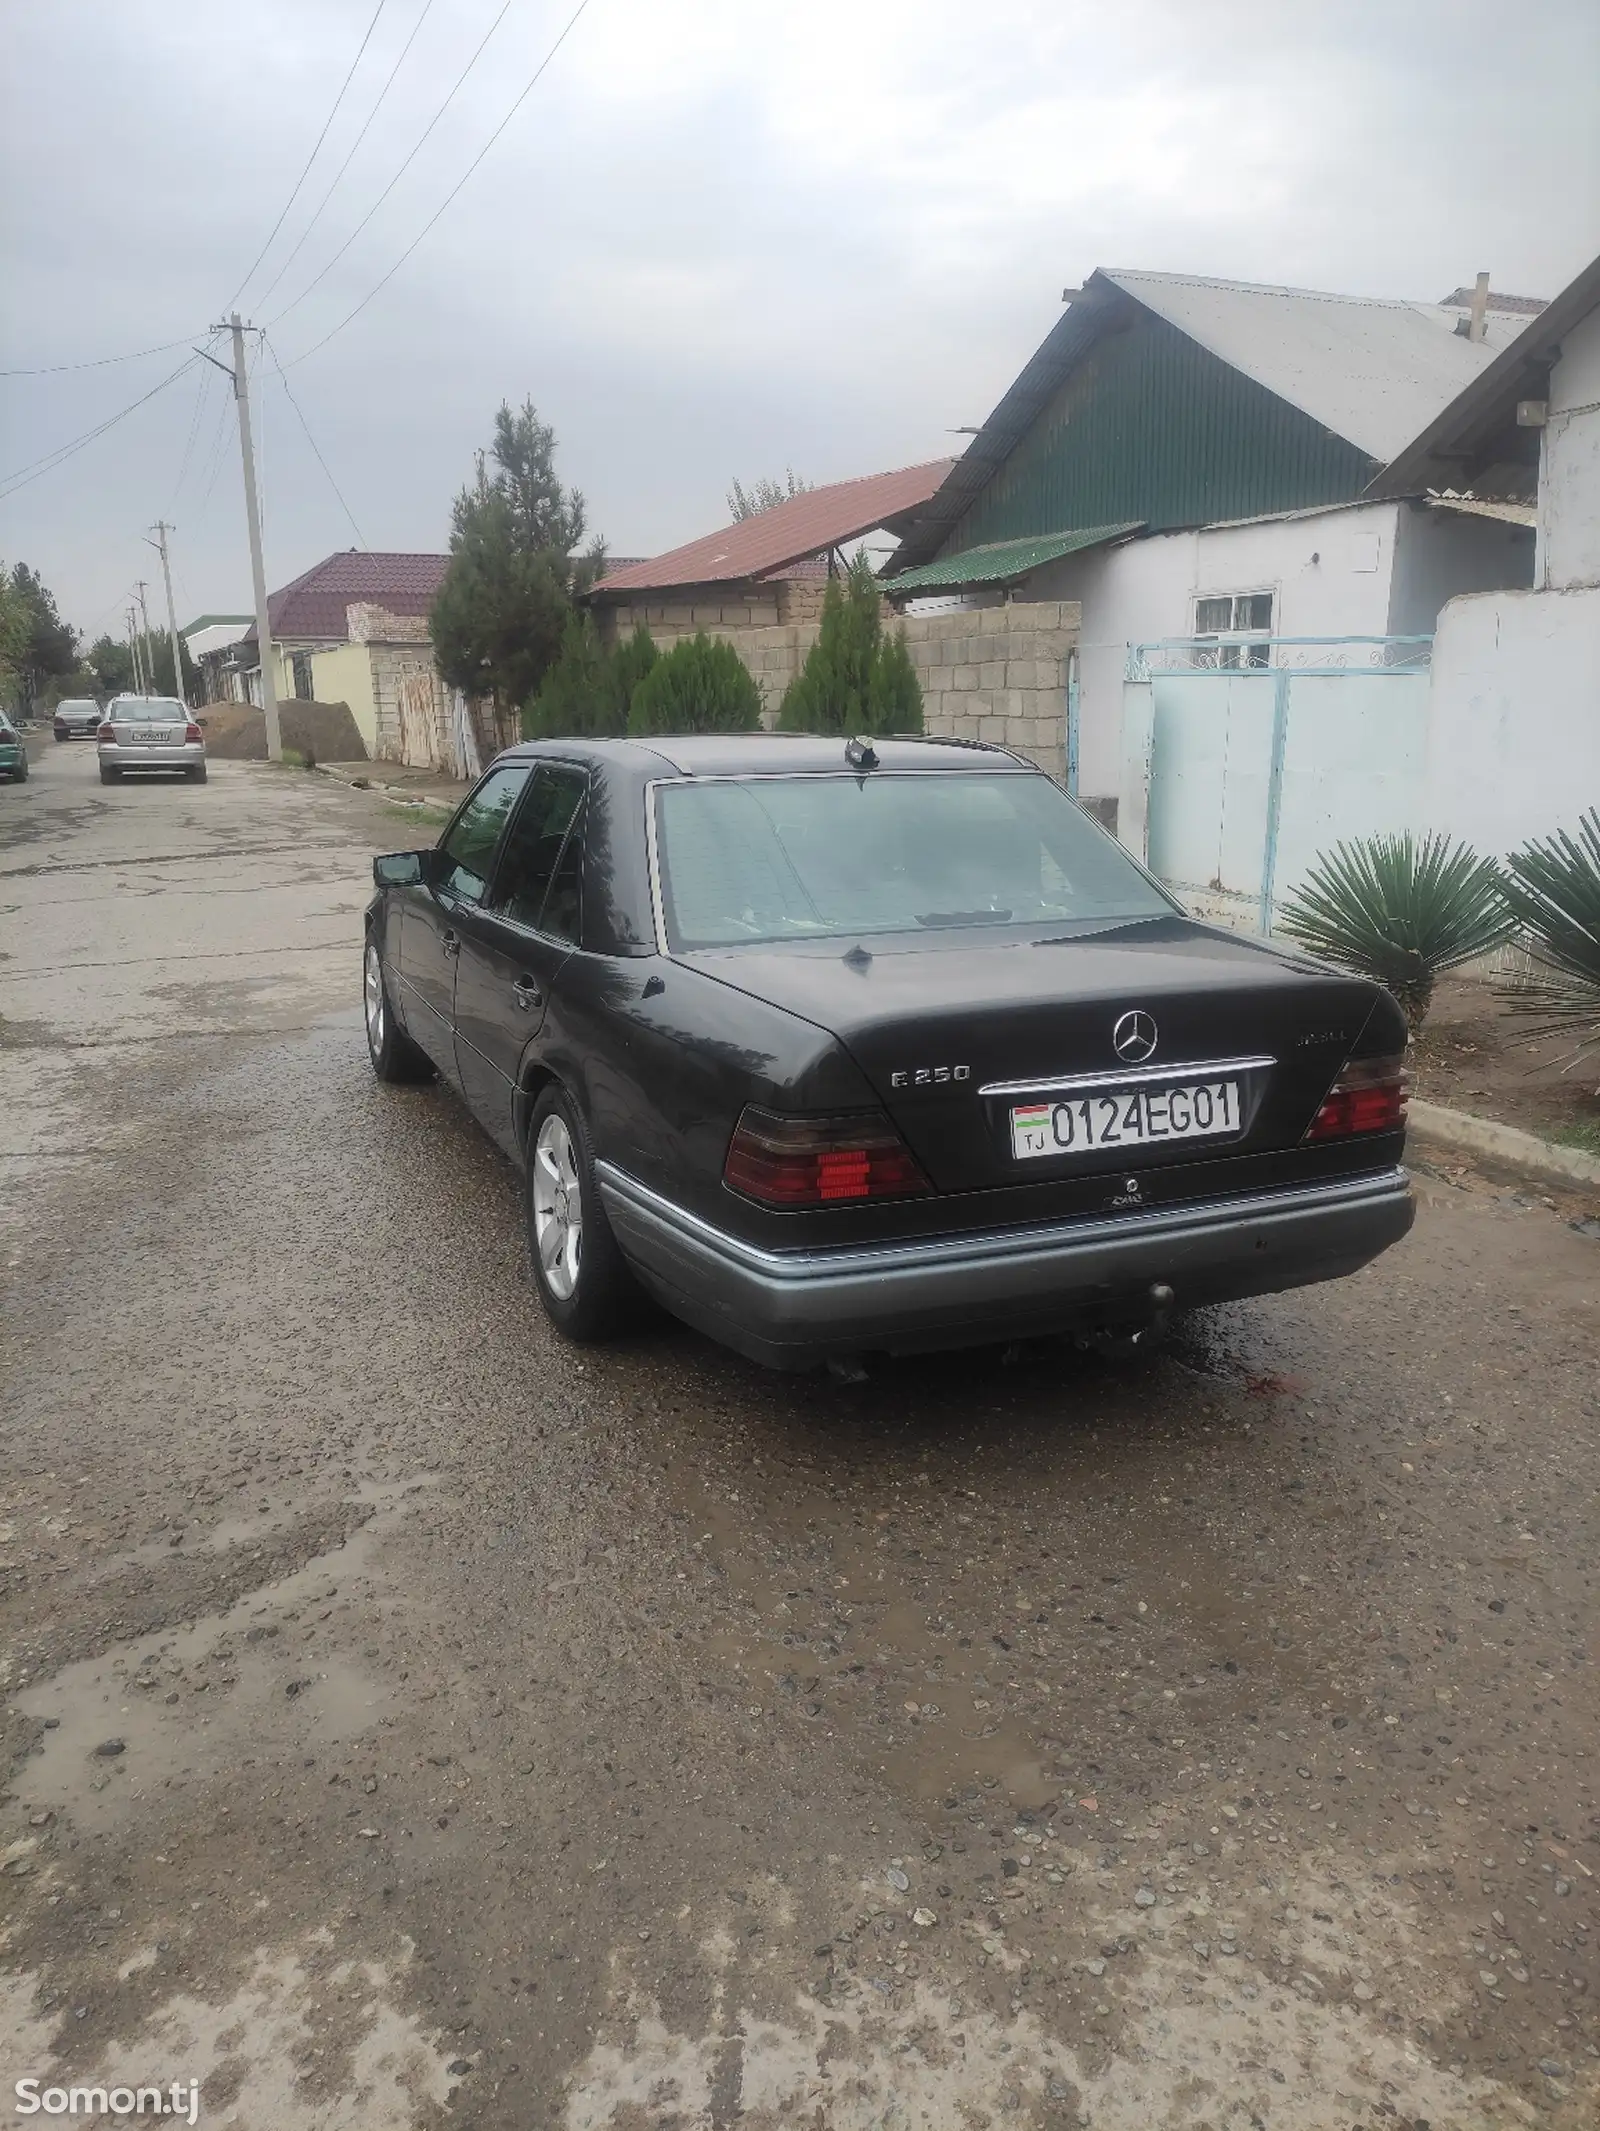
[1125,1117]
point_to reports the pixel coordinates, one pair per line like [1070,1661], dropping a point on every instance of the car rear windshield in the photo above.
[150,710]
[773,858]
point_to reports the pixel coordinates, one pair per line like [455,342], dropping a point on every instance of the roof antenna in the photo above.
[860,753]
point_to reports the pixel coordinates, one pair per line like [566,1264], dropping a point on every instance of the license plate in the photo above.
[152,735]
[1102,1120]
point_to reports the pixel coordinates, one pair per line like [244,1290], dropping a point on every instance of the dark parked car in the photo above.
[839,1048]
[76,718]
[13,751]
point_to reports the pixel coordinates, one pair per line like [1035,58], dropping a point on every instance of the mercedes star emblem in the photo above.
[1134,1037]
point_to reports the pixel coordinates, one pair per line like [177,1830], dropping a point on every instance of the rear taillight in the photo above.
[1368,1096]
[191,732]
[819,1161]
[106,732]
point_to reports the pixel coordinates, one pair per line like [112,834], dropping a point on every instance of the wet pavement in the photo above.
[411,1720]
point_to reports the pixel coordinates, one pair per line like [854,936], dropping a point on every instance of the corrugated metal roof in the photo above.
[1003,560]
[1440,454]
[807,524]
[313,606]
[1373,369]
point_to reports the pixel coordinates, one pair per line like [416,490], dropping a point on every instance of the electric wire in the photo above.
[310,159]
[311,440]
[36,469]
[416,149]
[101,362]
[427,9]
[522,97]
[206,375]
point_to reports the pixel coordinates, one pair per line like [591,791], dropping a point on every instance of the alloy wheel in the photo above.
[372,988]
[557,1208]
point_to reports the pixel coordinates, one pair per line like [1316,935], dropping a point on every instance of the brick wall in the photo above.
[998,673]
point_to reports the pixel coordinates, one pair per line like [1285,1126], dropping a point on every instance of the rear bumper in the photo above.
[793,1309]
[179,755]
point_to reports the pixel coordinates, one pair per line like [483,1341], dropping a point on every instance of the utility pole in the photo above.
[161,529]
[144,611]
[241,397]
[133,652]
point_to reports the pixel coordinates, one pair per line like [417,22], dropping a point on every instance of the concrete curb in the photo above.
[1442,1127]
[402,795]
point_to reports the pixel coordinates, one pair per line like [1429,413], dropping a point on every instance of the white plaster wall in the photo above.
[1330,573]
[1569,477]
[1514,725]
[1442,554]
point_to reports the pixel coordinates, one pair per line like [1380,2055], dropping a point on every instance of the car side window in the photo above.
[470,842]
[540,879]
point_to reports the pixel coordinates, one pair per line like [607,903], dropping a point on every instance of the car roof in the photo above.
[740,754]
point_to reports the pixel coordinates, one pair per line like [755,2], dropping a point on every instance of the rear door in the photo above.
[514,942]
[432,912]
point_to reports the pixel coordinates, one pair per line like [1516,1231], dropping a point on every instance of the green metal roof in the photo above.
[1003,560]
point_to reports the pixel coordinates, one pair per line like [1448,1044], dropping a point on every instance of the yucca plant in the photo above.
[1400,911]
[1553,890]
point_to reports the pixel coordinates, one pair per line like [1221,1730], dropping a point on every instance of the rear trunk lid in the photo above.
[955,1034]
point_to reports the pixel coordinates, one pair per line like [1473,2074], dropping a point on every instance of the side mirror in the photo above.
[399,869]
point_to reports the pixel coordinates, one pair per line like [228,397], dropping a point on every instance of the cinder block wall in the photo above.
[998,673]
[771,626]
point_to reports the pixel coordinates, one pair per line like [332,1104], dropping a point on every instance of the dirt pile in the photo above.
[237,732]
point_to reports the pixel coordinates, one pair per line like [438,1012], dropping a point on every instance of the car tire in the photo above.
[197,775]
[394,1056]
[583,1279]
[22,772]
[108,775]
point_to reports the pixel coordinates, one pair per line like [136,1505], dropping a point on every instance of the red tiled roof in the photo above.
[314,605]
[808,524]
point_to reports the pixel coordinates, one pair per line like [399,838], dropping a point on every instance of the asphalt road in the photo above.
[411,1720]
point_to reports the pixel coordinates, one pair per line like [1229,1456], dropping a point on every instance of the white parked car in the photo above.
[150,733]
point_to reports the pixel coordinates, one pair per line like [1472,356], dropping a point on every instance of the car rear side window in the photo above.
[540,882]
[772,858]
[470,841]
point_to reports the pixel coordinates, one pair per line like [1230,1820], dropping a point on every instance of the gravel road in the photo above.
[411,1720]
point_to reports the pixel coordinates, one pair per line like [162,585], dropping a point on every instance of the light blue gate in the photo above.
[1246,756]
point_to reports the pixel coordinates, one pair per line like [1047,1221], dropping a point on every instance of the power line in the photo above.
[427,9]
[416,150]
[194,429]
[526,91]
[21,476]
[311,158]
[311,440]
[100,362]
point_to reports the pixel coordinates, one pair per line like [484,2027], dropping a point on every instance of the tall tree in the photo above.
[856,679]
[49,646]
[501,613]
[764,494]
[111,663]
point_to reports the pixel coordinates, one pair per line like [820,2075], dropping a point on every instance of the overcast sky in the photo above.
[720,237]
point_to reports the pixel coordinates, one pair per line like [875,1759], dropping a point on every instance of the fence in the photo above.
[1246,756]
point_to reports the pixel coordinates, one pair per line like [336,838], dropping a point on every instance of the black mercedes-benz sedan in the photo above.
[839,1048]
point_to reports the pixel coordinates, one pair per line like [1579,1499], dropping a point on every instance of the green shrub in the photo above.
[700,686]
[1553,891]
[588,691]
[1400,912]
[855,678]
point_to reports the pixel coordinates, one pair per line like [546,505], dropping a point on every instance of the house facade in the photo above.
[348,630]
[1186,459]
[1516,672]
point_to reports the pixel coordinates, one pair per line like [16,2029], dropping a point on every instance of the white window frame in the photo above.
[1243,645]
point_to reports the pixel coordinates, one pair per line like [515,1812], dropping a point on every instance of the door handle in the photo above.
[526,993]
[450,942]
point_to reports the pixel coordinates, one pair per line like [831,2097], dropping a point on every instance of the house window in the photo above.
[1234,614]
[303,688]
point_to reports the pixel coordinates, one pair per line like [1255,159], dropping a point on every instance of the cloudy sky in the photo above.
[719,237]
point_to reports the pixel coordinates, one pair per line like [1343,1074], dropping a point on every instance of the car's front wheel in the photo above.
[583,1280]
[394,1056]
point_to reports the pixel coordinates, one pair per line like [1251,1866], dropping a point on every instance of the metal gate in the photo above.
[1247,756]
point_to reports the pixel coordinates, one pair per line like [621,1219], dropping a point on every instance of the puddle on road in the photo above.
[313,2040]
[193,1704]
